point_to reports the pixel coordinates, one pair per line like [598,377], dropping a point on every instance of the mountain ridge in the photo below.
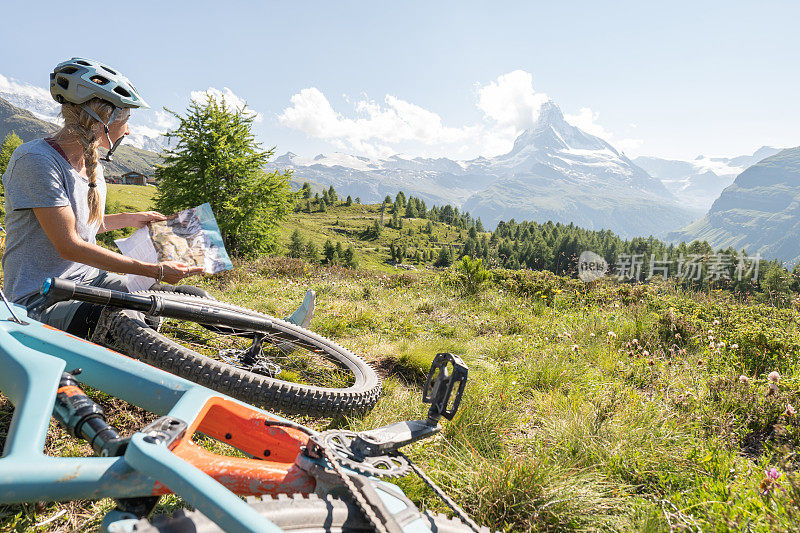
[554,171]
[28,127]
[759,211]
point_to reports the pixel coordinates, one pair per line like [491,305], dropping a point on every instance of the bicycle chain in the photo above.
[360,500]
[439,492]
[333,458]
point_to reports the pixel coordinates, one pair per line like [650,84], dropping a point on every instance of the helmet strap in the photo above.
[114,114]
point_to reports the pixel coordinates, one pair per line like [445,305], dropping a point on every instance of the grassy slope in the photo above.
[563,426]
[346,224]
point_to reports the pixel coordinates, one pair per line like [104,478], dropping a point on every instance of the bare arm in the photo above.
[58,224]
[129,220]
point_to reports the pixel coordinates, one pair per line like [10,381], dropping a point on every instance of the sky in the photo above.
[453,79]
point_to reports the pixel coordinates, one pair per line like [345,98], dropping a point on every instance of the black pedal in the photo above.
[448,374]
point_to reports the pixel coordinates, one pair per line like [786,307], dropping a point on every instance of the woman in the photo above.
[55,198]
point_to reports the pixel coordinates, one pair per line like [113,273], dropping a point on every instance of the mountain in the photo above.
[759,212]
[699,182]
[29,127]
[554,171]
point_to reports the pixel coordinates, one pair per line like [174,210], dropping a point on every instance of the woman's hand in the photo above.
[174,271]
[140,220]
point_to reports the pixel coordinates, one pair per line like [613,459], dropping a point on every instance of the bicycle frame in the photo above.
[33,357]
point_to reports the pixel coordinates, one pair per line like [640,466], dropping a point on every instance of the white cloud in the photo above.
[375,127]
[509,104]
[232,101]
[511,100]
[586,119]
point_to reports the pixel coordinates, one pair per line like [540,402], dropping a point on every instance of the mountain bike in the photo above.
[295,479]
[259,359]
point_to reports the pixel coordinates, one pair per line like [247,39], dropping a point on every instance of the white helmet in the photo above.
[79,80]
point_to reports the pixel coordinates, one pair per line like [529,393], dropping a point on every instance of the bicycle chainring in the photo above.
[338,443]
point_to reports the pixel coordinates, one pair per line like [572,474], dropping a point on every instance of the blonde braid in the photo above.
[78,126]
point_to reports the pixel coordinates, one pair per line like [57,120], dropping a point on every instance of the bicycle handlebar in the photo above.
[59,290]
[56,290]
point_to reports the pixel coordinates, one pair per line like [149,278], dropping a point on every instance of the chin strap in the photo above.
[112,118]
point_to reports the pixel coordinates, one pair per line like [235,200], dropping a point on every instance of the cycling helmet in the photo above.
[79,80]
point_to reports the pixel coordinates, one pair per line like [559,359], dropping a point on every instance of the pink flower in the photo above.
[774,376]
[789,410]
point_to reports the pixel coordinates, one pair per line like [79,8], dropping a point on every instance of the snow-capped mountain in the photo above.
[39,102]
[699,182]
[555,171]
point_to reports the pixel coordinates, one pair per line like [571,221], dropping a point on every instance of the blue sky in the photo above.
[456,79]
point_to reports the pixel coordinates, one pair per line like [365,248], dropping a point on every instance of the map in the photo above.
[190,236]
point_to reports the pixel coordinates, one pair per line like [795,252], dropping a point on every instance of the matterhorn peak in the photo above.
[549,115]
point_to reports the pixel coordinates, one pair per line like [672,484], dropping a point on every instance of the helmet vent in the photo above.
[63,82]
[123,92]
[99,80]
[111,71]
[68,70]
[84,63]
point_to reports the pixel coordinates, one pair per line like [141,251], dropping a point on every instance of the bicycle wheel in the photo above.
[316,376]
[300,514]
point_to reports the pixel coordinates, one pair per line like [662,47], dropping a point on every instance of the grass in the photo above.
[589,407]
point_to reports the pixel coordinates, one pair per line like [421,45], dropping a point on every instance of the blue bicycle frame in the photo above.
[33,357]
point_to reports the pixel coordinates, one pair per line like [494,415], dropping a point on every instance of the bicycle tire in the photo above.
[300,514]
[130,332]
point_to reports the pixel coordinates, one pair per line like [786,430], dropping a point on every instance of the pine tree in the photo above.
[214,158]
[349,201]
[349,257]
[296,245]
[10,143]
[311,254]
[332,196]
[329,252]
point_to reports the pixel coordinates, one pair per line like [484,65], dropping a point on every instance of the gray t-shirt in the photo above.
[38,176]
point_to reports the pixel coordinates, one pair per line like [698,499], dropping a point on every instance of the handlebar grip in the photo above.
[57,289]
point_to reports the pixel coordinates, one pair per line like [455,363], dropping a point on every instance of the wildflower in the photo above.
[774,376]
[734,346]
[612,335]
[711,332]
[645,354]
[789,410]
[712,345]
[575,347]
[744,380]
[677,335]
[635,341]
[716,322]
[770,482]
[720,345]
[773,389]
